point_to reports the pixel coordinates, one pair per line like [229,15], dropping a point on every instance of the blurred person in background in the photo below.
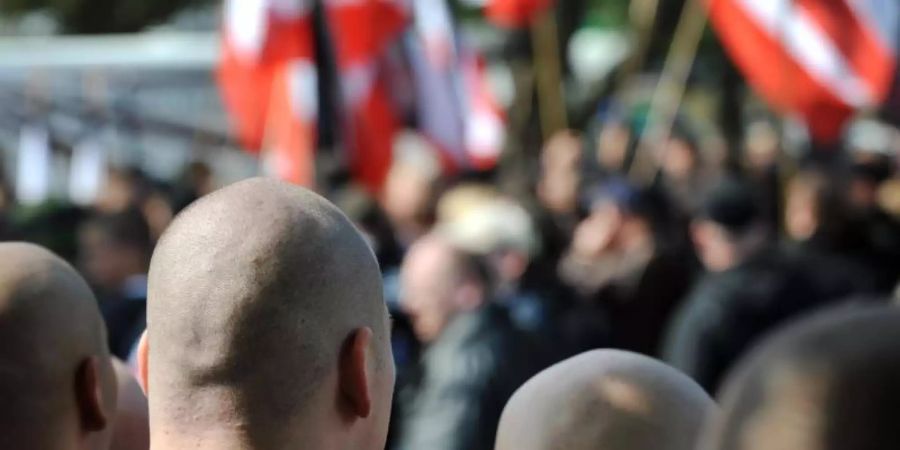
[130,188]
[761,153]
[474,358]
[114,251]
[558,185]
[196,181]
[410,192]
[752,286]
[609,400]
[501,233]
[822,237]
[873,164]
[614,147]
[831,382]
[684,175]
[625,270]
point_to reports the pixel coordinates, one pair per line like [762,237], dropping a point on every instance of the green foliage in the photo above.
[102,16]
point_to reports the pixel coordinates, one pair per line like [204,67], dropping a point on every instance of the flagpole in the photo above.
[669,93]
[643,15]
[547,66]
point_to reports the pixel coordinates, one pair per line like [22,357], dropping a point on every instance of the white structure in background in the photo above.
[87,170]
[33,165]
[162,50]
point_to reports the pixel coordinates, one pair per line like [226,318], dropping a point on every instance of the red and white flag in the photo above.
[362,32]
[266,77]
[269,83]
[819,59]
[455,108]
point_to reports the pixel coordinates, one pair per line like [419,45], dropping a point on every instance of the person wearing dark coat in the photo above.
[474,357]
[753,285]
[114,252]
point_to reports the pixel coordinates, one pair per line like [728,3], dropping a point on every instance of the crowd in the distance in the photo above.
[584,308]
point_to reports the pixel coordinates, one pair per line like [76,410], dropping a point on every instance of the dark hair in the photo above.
[733,204]
[126,228]
[851,355]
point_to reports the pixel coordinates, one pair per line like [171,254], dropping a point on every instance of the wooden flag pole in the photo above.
[643,16]
[669,92]
[548,74]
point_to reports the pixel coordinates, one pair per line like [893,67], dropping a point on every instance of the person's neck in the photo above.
[239,438]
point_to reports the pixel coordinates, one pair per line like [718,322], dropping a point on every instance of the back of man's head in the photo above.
[831,382]
[266,326]
[56,380]
[605,399]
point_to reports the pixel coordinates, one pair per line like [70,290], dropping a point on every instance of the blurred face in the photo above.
[428,291]
[101,260]
[800,213]
[679,160]
[714,248]
[612,146]
[560,173]
[406,195]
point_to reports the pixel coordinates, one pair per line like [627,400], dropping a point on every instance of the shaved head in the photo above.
[53,353]
[256,295]
[605,399]
[831,382]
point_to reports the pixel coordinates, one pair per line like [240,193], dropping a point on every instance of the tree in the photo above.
[102,16]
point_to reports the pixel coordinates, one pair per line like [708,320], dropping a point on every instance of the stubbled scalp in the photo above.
[830,382]
[249,290]
[49,324]
[605,399]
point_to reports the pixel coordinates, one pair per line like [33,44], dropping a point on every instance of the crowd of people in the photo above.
[594,309]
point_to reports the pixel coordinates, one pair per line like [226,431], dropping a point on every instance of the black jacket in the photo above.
[466,377]
[728,312]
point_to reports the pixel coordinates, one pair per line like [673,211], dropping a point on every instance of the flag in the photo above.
[515,13]
[363,31]
[264,77]
[455,108]
[821,60]
[269,85]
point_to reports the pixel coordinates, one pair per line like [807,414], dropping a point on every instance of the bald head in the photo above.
[608,400]
[256,292]
[54,352]
[831,382]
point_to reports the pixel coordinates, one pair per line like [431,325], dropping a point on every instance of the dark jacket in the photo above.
[728,312]
[126,318]
[466,377]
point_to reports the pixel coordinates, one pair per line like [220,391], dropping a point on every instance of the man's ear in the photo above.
[92,398]
[142,363]
[354,376]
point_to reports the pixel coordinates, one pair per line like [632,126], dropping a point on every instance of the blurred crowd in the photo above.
[693,264]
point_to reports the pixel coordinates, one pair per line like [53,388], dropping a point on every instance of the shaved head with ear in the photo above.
[266,326]
[828,382]
[605,399]
[57,385]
